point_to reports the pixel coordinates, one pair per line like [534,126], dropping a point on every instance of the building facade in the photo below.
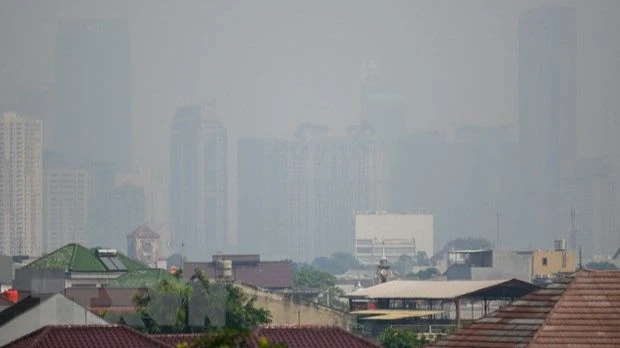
[143,245]
[21,173]
[328,178]
[198,183]
[93,91]
[547,118]
[394,235]
[65,207]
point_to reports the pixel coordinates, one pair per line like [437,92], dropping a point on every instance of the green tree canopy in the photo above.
[309,277]
[337,263]
[198,305]
[401,338]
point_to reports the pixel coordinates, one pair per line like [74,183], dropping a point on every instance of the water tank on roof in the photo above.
[11,295]
[560,245]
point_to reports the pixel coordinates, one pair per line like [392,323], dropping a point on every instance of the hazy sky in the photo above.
[273,64]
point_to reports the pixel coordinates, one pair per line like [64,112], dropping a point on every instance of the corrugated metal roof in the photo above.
[425,289]
[583,310]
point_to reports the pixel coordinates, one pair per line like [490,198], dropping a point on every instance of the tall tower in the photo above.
[198,182]
[20,186]
[93,91]
[547,117]
[65,207]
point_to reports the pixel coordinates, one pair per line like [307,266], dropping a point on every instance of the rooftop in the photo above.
[581,310]
[263,274]
[77,258]
[86,336]
[142,278]
[451,289]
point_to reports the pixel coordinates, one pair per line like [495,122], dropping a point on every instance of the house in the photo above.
[35,312]
[248,269]
[91,336]
[73,265]
[579,310]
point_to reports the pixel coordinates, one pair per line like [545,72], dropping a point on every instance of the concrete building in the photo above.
[262,197]
[394,234]
[93,91]
[143,245]
[328,178]
[21,174]
[198,183]
[66,196]
[126,211]
[142,177]
[547,118]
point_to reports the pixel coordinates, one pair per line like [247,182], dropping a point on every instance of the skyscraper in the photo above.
[328,179]
[262,197]
[198,183]
[21,174]
[93,116]
[547,117]
[65,207]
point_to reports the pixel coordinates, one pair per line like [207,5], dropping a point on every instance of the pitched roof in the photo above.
[77,258]
[309,337]
[582,310]
[263,274]
[290,336]
[109,299]
[450,289]
[143,231]
[142,277]
[86,336]
[20,307]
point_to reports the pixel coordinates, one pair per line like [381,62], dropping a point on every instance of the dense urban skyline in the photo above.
[471,124]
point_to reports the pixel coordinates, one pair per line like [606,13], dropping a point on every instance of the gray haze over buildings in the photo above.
[481,107]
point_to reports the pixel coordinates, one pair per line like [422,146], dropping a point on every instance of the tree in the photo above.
[227,338]
[602,265]
[424,274]
[401,338]
[337,263]
[309,277]
[198,305]
[333,297]
[404,264]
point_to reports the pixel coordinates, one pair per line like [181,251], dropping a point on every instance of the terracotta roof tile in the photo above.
[309,337]
[582,310]
[86,336]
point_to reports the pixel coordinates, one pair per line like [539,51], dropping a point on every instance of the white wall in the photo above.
[397,226]
[56,310]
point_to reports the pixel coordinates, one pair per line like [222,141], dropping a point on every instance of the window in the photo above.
[544,261]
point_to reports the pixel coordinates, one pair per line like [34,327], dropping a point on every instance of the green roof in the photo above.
[77,258]
[142,277]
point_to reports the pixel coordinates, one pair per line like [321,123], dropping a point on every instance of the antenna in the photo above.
[580,264]
[573,230]
[497,240]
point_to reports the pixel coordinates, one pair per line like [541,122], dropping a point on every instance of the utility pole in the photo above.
[573,230]
[497,238]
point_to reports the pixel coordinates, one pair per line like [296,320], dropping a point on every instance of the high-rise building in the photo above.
[21,171]
[93,92]
[126,211]
[65,207]
[262,197]
[198,183]
[328,179]
[547,117]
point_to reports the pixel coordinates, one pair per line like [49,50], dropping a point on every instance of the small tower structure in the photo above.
[384,271]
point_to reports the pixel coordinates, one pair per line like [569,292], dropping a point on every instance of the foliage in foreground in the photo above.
[227,338]
[401,338]
[197,306]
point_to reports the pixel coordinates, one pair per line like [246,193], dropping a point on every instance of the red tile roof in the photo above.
[290,336]
[309,337]
[583,310]
[86,336]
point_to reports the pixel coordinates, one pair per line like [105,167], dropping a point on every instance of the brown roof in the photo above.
[309,337]
[583,310]
[290,336]
[86,336]
[143,231]
[263,274]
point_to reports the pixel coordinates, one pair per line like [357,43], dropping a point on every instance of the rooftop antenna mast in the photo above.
[580,264]
[573,230]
